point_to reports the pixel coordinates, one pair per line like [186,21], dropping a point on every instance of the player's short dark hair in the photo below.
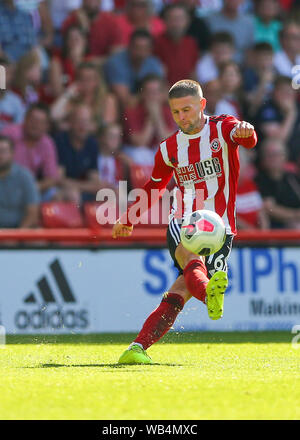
[185,87]
[222,38]
[263,46]
[8,140]
[140,33]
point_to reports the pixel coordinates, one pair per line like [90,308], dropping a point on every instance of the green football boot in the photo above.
[135,355]
[215,290]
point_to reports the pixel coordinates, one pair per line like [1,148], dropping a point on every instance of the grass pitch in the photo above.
[196,376]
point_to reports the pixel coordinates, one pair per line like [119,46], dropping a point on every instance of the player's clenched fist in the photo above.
[120,230]
[243,130]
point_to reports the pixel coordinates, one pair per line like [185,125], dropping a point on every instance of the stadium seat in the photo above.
[139,174]
[95,218]
[61,215]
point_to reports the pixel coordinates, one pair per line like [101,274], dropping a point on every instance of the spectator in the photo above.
[221,50]
[240,26]
[212,94]
[65,62]
[59,12]
[101,27]
[41,19]
[280,118]
[266,24]
[138,15]
[89,89]
[28,78]
[77,151]
[198,28]
[232,100]
[11,107]
[149,121]
[34,149]
[286,58]
[177,51]
[279,188]
[126,69]
[19,196]
[259,78]
[113,164]
[17,35]
[249,204]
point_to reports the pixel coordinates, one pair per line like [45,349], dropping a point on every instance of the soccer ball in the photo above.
[203,232]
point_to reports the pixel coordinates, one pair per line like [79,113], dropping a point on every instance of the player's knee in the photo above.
[183,256]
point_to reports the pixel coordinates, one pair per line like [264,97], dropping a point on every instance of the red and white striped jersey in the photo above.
[205,163]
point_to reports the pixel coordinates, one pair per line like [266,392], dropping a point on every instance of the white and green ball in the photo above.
[203,232]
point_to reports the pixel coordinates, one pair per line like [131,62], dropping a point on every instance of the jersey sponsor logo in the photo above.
[186,174]
[215,145]
[209,168]
[204,170]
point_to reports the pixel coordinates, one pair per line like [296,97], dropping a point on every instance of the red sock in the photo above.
[195,277]
[161,320]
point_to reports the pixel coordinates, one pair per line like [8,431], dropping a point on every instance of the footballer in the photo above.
[201,155]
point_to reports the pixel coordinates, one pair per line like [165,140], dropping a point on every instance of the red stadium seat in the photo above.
[61,215]
[95,218]
[139,174]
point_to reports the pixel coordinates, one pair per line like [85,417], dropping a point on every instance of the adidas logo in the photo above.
[51,312]
[45,289]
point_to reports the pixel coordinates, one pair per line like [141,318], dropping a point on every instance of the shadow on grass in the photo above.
[100,365]
[171,338]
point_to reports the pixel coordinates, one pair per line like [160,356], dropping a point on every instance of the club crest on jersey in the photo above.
[215,145]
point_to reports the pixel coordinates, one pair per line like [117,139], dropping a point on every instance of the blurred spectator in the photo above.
[286,58]
[212,94]
[139,15]
[65,62]
[149,121]
[267,26]
[113,164]
[126,69]
[12,109]
[34,149]
[232,100]
[221,50]
[59,11]
[249,204]
[101,27]
[259,77]
[77,151]
[89,88]
[280,118]
[19,196]
[28,78]
[240,26]
[41,19]
[279,188]
[177,51]
[17,35]
[198,28]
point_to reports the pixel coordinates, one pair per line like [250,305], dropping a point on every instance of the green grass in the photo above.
[196,376]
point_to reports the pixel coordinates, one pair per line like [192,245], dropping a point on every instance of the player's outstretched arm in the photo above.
[120,230]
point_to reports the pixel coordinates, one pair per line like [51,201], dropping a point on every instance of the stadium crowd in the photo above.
[85,99]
